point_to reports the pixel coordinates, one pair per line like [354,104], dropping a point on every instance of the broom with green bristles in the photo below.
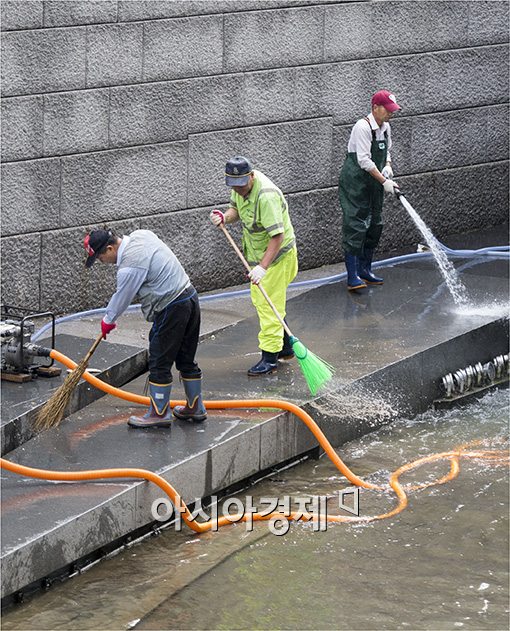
[315,370]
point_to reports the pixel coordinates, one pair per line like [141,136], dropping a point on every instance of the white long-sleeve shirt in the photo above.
[360,141]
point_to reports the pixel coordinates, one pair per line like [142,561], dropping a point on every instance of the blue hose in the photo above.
[499,251]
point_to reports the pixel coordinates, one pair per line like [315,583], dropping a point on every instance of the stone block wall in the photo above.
[123,112]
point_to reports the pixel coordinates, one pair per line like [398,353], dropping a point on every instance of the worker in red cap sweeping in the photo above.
[147,267]
[365,176]
[270,248]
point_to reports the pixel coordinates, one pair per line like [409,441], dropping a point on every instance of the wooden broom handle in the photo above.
[247,266]
[93,348]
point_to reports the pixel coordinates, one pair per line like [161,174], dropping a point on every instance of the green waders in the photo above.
[361,199]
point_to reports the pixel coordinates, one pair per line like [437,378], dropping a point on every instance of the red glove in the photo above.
[106,328]
[217,217]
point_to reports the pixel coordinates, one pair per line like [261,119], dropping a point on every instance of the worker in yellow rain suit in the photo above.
[270,248]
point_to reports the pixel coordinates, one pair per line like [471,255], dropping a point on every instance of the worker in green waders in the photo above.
[365,176]
[269,247]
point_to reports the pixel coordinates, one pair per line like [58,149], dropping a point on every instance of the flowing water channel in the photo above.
[448,271]
[441,564]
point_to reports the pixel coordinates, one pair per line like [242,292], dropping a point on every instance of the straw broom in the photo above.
[53,411]
[316,371]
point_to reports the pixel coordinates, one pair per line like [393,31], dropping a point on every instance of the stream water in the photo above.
[441,564]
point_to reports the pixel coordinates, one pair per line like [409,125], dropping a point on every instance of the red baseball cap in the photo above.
[95,243]
[386,99]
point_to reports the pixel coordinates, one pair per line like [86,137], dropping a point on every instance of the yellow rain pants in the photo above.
[278,277]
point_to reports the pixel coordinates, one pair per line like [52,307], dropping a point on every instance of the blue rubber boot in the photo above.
[159,413]
[365,268]
[194,410]
[267,365]
[353,280]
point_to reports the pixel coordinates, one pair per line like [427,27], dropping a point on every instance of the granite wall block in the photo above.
[20,14]
[168,111]
[19,272]
[75,122]
[154,9]
[296,156]
[413,76]
[75,12]
[488,22]
[496,139]
[316,217]
[268,96]
[455,139]
[43,61]
[341,134]
[183,47]
[473,198]
[259,39]
[30,196]
[114,54]
[124,184]
[356,32]
[22,127]
[337,90]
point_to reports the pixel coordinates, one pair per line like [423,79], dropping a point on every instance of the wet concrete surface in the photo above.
[359,332]
[412,318]
[113,363]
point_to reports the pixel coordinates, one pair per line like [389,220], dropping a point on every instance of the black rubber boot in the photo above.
[353,280]
[287,351]
[267,365]
[365,269]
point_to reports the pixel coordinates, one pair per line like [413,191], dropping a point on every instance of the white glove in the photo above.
[390,186]
[257,274]
[217,217]
[387,172]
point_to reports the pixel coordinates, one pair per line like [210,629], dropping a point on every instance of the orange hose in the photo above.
[453,456]
[222,405]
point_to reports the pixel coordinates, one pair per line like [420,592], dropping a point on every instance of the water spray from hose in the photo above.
[448,271]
